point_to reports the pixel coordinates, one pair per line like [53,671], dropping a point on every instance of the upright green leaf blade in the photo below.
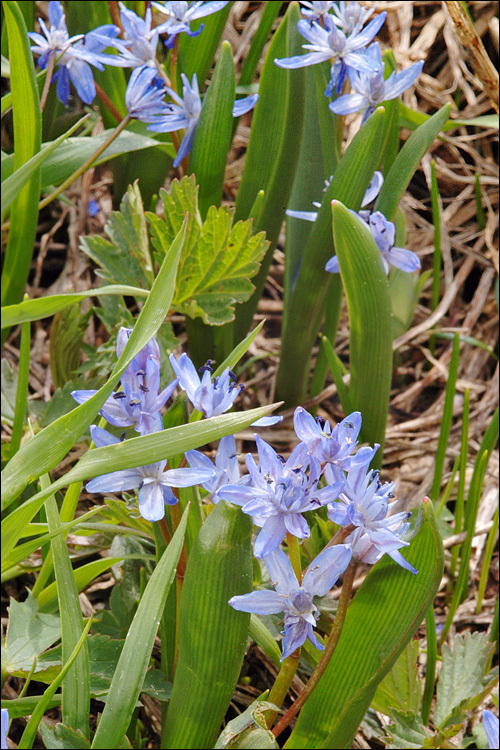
[134,658]
[382,618]
[196,55]
[212,635]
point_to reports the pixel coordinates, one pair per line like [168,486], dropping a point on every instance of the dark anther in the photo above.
[320,421]
[241,387]
[234,455]
[350,425]
[207,367]
[216,381]
[281,458]
[144,389]
[119,394]
[134,402]
[123,437]
[140,372]
[390,495]
[232,376]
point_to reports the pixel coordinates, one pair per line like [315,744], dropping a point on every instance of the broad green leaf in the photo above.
[62,737]
[27,136]
[75,151]
[410,119]
[48,447]
[212,634]
[29,634]
[273,149]
[463,681]
[44,307]
[133,452]
[249,729]
[219,257]
[382,618]
[370,323]
[67,333]
[134,658]
[263,637]
[407,161]
[125,257]
[11,186]
[214,131]
[401,688]
[303,320]
[409,732]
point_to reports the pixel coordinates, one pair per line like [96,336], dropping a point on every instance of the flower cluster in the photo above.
[322,470]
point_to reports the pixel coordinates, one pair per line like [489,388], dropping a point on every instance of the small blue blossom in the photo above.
[152,481]
[144,96]
[294,599]
[140,42]
[330,43]
[4,728]
[332,447]
[209,396]
[350,16]
[314,11]
[384,234]
[139,402]
[181,14]
[364,502]
[278,492]
[372,191]
[490,722]
[75,53]
[371,89]
[226,469]
[185,113]
[93,207]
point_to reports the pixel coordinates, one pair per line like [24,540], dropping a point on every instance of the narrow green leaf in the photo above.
[45,450]
[446,420]
[27,136]
[12,186]
[370,329]
[214,131]
[273,149]
[302,323]
[407,161]
[25,706]
[269,13]
[335,369]
[196,55]
[381,620]
[212,634]
[265,639]
[44,307]
[412,120]
[232,360]
[134,658]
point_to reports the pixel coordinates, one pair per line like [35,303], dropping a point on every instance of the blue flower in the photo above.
[139,402]
[372,191]
[181,14]
[76,53]
[332,447]
[5,728]
[364,502]
[226,469]
[330,43]
[140,42]
[371,89]
[490,722]
[294,599]
[152,481]
[278,492]
[210,396]
[185,113]
[144,97]
[350,16]
[384,234]
[314,11]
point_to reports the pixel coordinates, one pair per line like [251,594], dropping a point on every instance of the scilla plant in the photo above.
[205,556]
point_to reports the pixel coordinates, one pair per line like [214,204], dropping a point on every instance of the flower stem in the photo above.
[327,653]
[294,553]
[90,161]
[48,79]
[282,684]
[108,103]
[165,532]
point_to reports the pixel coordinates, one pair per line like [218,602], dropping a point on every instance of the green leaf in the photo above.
[304,315]
[462,680]
[75,151]
[409,732]
[401,687]
[196,55]
[29,634]
[66,338]
[11,186]
[218,260]
[370,323]
[258,41]
[212,634]
[45,450]
[27,136]
[25,706]
[134,658]
[382,618]
[44,307]
[407,161]
[249,729]
[214,131]
[273,149]
[62,737]
[125,258]
[408,118]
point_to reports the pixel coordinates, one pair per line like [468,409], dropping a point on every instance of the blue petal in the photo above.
[399,82]
[82,79]
[63,85]
[332,265]
[242,106]
[348,103]
[305,215]
[271,535]
[266,421]
[258,602]
[403,259]
[301,61]
[281,572]
[186,477]
[151,502]
[323,572]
